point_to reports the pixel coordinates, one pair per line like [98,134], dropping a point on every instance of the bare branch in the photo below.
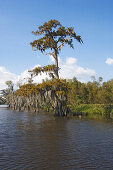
[53,54]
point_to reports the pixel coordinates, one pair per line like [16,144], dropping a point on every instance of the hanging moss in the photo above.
[49,94]
[59,85]
[51,69]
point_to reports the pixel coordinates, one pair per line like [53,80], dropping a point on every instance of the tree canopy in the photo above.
[52,35]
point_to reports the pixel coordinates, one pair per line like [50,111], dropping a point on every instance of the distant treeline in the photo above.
[95,92]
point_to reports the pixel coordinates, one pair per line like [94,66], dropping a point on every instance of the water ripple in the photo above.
[43,142]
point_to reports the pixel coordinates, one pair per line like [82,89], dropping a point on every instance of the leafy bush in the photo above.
[93,110]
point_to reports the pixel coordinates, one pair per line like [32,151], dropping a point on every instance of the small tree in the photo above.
[10,85]
[53,36]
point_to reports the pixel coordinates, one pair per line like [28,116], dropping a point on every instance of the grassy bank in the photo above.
[96,111]
[93,111]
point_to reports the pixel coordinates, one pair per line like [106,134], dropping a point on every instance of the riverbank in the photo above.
[91,111]
[96,111]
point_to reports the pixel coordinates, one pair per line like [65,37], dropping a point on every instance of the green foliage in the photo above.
[93,110]
[10,85]
[94,92]
[53,34]
[92,98]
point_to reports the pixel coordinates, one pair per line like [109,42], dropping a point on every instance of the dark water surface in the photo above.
[43,142]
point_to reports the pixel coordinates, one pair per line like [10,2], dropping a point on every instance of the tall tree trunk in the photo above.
[56,64]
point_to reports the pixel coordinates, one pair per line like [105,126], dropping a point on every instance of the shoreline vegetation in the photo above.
[93,111]
[73,94]
[63,97]
[90,111]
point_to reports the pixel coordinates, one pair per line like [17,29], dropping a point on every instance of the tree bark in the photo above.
[56,63]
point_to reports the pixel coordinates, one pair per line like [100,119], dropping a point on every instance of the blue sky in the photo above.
[92,19]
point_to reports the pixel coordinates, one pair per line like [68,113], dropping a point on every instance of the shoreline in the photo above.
[95,111]
[90,111]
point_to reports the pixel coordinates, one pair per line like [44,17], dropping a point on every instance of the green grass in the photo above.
[93,110]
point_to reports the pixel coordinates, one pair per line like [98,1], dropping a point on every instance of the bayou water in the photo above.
[43,142]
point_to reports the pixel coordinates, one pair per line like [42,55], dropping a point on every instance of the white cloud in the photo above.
[69,69]
[38,79]
[109,61]
[5,75]
[71,61]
